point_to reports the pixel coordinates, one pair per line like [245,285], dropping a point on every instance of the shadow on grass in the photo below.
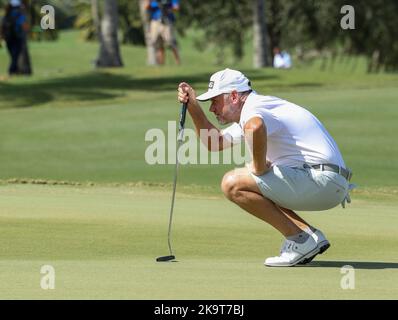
[86,87]
[107,86]
[355,264]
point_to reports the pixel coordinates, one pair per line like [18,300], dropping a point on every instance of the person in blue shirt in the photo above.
[162,30]
[13,29]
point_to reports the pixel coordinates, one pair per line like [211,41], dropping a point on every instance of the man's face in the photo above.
[223,108]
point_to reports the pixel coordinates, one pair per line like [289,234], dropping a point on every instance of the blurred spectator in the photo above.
[162,27]
[14,28]
[282,59]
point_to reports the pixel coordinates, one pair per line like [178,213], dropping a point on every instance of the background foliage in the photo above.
[307,28]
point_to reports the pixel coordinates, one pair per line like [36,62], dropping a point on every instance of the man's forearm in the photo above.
[213,134]
[259,159]
[256,138]
[198,117]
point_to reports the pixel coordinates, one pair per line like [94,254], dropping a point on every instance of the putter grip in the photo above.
[183,115]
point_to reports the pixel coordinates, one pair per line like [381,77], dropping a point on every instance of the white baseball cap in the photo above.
[225,81]
[15,3]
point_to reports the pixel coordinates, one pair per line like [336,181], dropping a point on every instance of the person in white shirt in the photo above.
[296,164]
[282,60]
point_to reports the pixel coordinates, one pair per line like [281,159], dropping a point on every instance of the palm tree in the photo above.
[109,53]
[96,18]
[260,56]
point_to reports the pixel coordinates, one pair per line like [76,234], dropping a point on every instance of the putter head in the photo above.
[165,258]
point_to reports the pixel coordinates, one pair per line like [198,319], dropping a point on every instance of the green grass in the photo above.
[70,122]
[103,241]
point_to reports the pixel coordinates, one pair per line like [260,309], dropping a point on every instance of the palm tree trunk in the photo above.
[109,54]
[96,18]
[260,56]
[151,57]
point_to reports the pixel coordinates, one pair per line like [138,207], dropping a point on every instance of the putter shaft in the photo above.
[179,140]
[172,199]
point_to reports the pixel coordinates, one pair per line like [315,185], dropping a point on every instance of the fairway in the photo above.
[91,126]
[103,240]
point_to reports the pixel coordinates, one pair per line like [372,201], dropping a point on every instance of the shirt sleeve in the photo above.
[268,118]
[233,134]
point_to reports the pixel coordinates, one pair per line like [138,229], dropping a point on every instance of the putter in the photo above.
[179,140]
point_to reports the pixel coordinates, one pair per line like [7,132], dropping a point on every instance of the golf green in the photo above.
[102,242]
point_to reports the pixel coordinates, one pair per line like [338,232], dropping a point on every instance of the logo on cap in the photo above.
[211,84]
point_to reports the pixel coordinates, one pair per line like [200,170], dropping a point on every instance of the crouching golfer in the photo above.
[296,164]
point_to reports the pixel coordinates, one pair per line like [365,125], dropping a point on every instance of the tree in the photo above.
[376,24]
[131,23]
[109,53]
[309,26]
[260,55]
[88,20]
[225,24]
[96,18]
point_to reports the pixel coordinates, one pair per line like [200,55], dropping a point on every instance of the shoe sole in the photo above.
[322,249]
[307,258]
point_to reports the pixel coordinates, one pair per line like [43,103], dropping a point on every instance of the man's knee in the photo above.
[230,186]
[235,183]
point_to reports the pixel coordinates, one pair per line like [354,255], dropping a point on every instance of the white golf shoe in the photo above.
[321,242]
[293,253]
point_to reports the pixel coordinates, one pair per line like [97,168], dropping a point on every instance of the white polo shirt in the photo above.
[294,135]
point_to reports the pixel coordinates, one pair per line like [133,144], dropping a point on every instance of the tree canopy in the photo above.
[307,25]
